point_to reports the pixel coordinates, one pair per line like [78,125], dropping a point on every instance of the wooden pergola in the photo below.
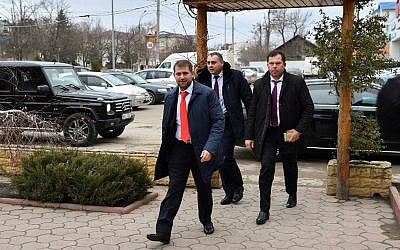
[204,6]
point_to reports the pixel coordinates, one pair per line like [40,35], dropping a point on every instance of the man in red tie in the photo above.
[280,112]
[192,129]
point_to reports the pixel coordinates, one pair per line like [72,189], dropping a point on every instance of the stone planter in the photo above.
[366,178]
[10,163]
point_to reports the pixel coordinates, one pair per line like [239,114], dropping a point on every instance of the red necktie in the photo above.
[274,108]
[185,134]
[216,87]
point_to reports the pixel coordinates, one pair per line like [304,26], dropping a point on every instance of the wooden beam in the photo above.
[343,144]
[202,35]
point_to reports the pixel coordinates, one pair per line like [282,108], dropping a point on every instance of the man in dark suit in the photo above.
[232,89]
[192,130]
[280,112]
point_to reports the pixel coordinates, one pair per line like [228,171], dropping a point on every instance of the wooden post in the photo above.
[343,143]
[202,36]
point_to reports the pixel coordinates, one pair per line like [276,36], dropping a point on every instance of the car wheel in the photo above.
[112,133]
[152,98]
[79,130]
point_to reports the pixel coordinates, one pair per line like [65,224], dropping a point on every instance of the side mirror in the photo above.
[103,84]
[43,89]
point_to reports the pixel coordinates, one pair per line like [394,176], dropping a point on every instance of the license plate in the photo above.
[126,116]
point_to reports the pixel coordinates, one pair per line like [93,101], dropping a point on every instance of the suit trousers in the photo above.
[272,143]
[230,173]
[181,161]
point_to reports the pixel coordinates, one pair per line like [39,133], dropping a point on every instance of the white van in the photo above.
[169,62]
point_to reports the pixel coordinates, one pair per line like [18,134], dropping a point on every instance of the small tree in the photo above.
[349,57]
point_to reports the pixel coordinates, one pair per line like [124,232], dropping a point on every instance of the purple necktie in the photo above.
[274,106]
[216,87]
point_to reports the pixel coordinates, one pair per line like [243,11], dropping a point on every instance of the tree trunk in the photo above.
[344,120]
[201,36]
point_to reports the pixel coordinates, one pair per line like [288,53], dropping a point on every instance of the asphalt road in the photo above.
[144,135]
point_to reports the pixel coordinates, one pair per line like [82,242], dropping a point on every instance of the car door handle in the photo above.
[323,117]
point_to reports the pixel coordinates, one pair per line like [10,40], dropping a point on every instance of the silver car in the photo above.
[106,82]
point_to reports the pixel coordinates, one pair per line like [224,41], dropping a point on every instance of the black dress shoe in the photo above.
[208,228]
[262,217]
[161,237]
[237,195]
[292,201]
[226,200]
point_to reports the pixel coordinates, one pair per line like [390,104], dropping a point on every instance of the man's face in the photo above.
[183,77]
[276,66]
[214,65]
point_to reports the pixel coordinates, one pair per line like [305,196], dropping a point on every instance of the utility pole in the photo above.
[112,35]
[233,40]
[158,34]
[225,30]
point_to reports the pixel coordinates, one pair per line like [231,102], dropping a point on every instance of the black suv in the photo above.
[54,91]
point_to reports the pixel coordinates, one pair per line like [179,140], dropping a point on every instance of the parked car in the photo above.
[156,75]
[155,91]
[260,72]
[108,83]
[54,92]
[250,75]
[323,133]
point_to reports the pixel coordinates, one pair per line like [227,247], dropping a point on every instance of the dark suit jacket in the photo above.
[235,90]
[206,125]
[295,110]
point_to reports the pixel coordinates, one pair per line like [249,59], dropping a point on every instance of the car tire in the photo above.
[79,130]
[112,133]
[152,98]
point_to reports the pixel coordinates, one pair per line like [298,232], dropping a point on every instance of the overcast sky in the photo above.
[173,18]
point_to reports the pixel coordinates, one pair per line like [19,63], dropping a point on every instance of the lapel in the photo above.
[195,93]
[284,83]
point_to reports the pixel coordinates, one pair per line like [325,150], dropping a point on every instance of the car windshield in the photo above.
[64,78]
[115,80]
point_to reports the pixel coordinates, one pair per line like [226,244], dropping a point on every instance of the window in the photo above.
[323,94]
[95,81]
[29,79]
[366,98]
[7,78]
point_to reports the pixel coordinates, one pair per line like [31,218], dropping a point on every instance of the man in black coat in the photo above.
[280,113]
[388,108]
[232,89]
[192,129]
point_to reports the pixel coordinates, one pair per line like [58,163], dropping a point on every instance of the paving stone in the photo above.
[34,245]
[87,242]
[20,240]
[37,232]
[61,244]
[9,247]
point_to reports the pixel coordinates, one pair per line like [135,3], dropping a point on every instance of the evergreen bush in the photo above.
[84,178]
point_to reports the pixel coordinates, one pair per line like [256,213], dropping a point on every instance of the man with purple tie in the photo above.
[280,112]
[232,90]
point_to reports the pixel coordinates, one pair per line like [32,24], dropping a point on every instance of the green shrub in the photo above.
[84,178]
[365,138]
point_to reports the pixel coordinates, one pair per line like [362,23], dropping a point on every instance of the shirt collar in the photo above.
[279,80]
[189,89]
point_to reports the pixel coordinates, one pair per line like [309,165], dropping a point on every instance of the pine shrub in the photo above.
[84,178]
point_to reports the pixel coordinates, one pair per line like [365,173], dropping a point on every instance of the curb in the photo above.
[120,210]
[395,202]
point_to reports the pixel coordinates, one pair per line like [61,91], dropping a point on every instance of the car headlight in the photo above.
[162,90]
[109,110]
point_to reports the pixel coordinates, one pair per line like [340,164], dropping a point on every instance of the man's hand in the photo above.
[295,135]
[249,144]
[205,156]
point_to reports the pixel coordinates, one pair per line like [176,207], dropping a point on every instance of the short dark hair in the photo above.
[219,55]
[275,53]
[183,63]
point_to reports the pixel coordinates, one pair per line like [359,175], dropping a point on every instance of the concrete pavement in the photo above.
[317,222]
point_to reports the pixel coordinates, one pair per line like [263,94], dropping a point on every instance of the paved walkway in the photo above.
[317,222]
